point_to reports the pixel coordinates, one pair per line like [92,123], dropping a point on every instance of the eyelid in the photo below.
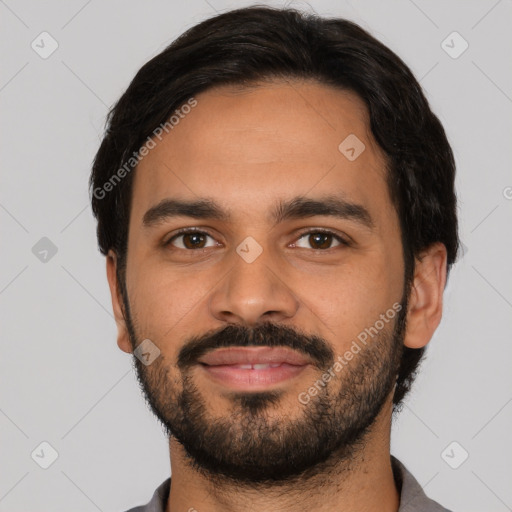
[343,240]
[186,231]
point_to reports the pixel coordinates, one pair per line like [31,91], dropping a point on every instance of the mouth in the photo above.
[253,368]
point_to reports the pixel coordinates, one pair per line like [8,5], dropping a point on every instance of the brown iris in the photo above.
[195,240]
[320,240]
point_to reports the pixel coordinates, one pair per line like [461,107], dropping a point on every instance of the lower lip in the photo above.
[252,379]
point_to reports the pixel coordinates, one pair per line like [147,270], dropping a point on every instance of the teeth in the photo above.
[262,366]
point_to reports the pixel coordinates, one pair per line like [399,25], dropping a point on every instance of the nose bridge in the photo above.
[253,290]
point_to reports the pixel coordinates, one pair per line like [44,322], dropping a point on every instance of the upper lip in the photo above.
[254,355]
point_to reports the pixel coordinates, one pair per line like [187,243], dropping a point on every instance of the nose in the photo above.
[253,292]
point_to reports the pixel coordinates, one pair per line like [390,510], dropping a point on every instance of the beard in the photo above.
[248,445]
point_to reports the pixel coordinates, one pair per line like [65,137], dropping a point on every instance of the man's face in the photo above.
[257,279]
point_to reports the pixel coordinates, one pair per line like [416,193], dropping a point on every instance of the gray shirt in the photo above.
[412,497]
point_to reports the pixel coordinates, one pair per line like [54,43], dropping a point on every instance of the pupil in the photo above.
[195,240]
[317,237]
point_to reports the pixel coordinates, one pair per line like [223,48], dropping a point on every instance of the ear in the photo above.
[425,306]
[123,338]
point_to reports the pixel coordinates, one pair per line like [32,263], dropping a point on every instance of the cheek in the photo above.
[350,299]
[163,302]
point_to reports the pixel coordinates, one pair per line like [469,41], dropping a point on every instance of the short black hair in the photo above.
[246,46]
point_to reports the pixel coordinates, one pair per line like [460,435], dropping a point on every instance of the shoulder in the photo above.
[412,495]
[158,501]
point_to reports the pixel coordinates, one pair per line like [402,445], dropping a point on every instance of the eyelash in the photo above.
[186,231]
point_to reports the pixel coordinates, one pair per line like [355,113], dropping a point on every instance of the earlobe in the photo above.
[123,338]
[425,306]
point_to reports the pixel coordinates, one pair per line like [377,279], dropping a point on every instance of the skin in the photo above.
[247,150]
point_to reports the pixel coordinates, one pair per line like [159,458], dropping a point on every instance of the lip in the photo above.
[254,355]
[253,368]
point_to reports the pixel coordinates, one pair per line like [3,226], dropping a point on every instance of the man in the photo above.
[276,202]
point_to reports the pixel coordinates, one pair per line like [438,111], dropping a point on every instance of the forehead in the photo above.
[249,147]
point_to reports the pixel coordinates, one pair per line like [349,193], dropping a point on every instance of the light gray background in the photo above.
[63,378]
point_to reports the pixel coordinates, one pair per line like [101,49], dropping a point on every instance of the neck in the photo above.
[363,483]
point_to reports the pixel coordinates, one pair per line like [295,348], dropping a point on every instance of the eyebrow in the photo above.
[299,207]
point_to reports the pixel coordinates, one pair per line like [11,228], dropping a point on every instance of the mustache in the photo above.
[266,334]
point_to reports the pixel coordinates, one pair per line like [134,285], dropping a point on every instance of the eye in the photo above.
[193,239]
[190,239]
[321,239]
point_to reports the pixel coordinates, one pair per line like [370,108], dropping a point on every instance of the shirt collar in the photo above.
[412,496]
